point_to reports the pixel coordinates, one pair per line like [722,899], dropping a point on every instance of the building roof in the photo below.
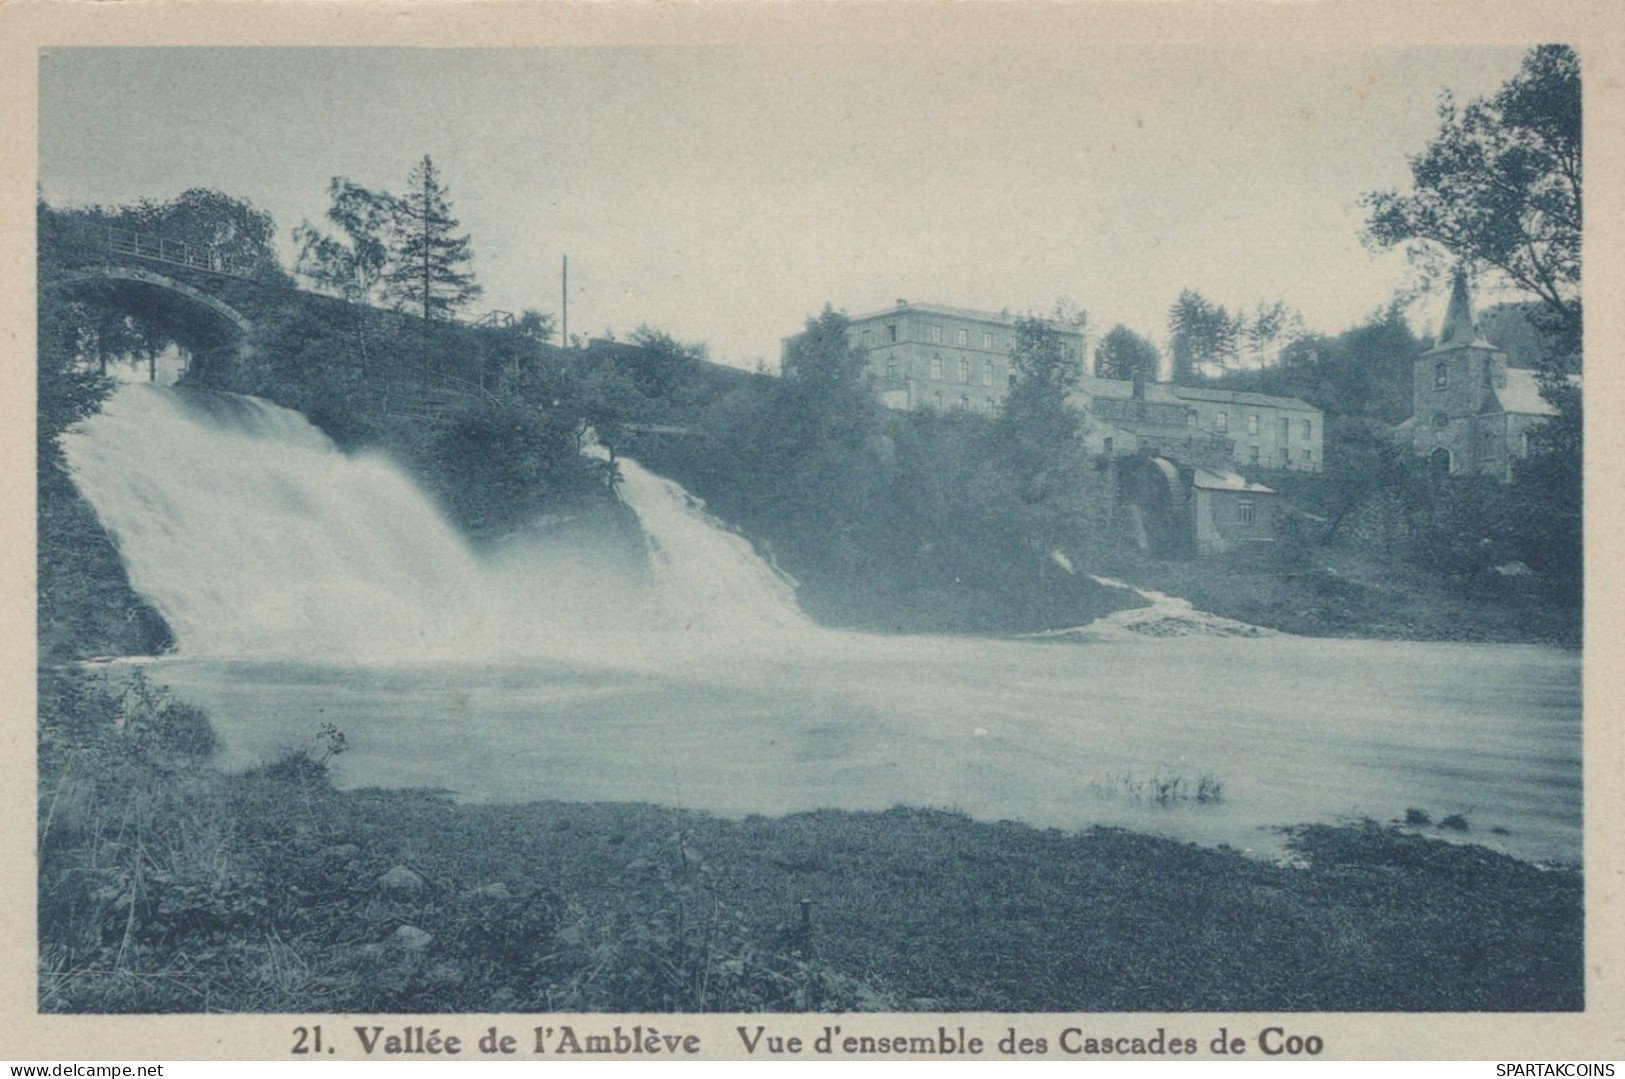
[1168,393]
[1460,329]
[1209,480]
[1241,397]
[1521,394]
[1123,389]
[1002,318]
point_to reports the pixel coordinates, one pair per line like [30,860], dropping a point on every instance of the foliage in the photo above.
[1038,422]
[355,262]
[241,237]
[497,466]
[1124,354]
[1267,329]
[1202,337]
[663,365]
[1365,371]
[535,326]
[1500,186]
[428,271]
[70,386]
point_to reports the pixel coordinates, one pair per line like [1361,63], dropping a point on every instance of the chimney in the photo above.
[901,302]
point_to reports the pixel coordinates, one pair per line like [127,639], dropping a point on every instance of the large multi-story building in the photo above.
[923,355]
[947,358]
[1470,412]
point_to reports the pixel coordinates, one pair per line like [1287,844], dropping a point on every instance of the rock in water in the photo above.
[412,938]
[401,879]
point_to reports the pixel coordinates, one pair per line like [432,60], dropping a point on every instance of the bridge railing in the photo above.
[146,245]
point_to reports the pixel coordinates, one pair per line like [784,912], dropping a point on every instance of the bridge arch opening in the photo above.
[210,331]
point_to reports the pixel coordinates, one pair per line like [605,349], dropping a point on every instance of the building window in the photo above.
[936,334]
[992,404]
[1221,422]
[987,373]
[964,371]
[936,400]
[1308,458]
[1012,378]
[987,341]
[891,332]
[891,366]
[1245,511]
[962,337]
[1252,424]
[1106,445]
[936,369]
[1441,376]
[1308,428]
[868,338]
[1286,429]
[1285,455]
[1190,417]
[964,402]
[1252,454]
[1524,442]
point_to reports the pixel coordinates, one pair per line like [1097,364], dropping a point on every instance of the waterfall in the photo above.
[707,577]
[254,535]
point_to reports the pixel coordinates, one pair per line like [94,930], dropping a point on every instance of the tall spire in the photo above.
[1459,329]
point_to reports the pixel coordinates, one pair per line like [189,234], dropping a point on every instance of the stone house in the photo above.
[1215,428]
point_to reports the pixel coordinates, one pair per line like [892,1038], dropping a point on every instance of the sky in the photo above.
[724,194]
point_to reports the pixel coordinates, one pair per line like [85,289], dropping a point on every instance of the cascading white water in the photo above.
[254,535]
[707,576]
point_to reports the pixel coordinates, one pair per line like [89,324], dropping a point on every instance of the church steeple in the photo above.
[1460,330]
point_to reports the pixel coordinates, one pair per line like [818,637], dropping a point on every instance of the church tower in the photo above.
[1453,383]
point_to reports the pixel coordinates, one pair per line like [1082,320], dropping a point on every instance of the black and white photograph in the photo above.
[603,531]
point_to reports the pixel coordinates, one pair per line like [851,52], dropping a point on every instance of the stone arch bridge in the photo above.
[201,300]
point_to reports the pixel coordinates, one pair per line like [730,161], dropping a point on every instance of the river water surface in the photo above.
[1055,734]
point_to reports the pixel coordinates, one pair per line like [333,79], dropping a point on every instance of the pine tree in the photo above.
[429,272]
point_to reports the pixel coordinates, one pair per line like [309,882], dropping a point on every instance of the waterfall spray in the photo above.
[252,534]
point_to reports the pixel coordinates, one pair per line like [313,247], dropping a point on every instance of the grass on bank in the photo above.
[165,886]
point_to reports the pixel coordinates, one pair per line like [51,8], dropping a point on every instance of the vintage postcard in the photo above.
[974,532]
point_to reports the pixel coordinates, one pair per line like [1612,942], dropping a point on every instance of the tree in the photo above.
[823,354]
[1202,337]
[428,271]
[1124,354]
[1500,187]
[243,238]
[535,326]
[355,262]
[1269,327]
[1039,424]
